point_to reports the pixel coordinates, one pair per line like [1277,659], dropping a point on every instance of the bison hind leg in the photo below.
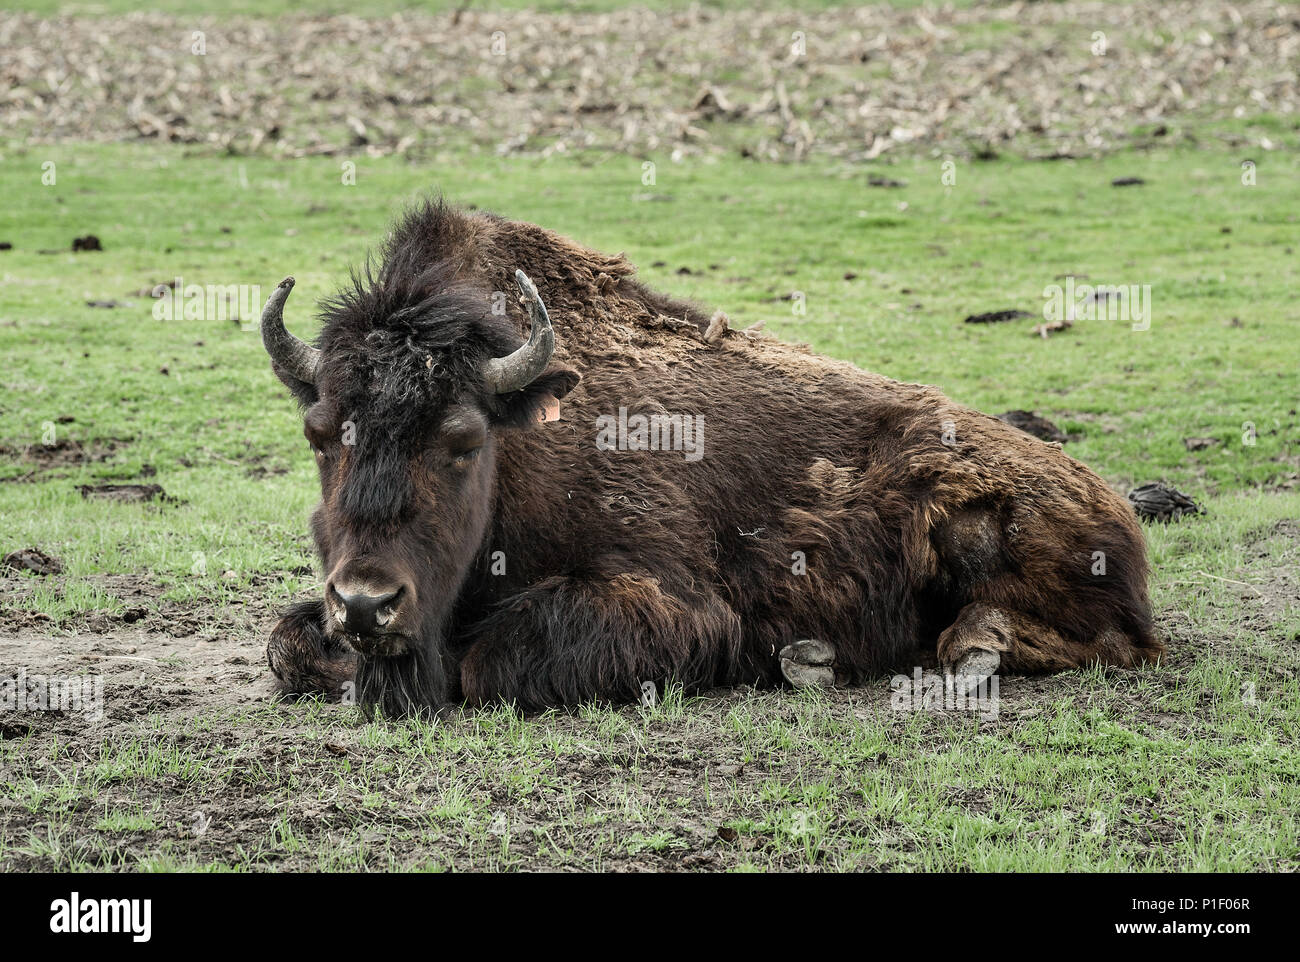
[809,664]
[307,661]
[986,637]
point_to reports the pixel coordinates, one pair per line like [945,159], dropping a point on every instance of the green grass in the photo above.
[1189,766]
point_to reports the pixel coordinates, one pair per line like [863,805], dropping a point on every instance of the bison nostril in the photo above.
[361,613]
[387,609]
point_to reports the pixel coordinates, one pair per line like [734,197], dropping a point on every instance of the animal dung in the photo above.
[997,317]
[1031,423]
[34,560]
[1159,502]
[130,493]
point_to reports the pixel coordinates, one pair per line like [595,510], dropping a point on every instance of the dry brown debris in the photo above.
[868,80]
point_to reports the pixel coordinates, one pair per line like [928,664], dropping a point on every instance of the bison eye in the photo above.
[465,457]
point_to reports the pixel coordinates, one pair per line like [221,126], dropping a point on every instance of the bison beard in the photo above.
[475,549]
[409,684]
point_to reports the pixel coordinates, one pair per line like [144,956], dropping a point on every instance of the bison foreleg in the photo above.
[304,659]
[986,638]
[572,641]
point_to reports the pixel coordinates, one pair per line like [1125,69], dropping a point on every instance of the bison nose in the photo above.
[362,613]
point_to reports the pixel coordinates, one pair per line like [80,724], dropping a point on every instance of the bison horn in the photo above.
[518,370]
[290,354]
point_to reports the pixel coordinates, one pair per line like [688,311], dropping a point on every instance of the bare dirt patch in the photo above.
[61,458]
[142,606]
[126,493]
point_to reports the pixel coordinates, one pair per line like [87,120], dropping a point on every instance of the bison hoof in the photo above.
[974,666]
[808,664]
[304,660]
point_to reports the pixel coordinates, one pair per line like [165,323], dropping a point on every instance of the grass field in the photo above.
[1191,765]
[194,402]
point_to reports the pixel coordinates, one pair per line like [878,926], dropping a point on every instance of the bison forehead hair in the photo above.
[406,340]
[399,348]
[411,332]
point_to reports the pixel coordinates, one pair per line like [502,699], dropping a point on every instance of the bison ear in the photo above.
[539,401]
[305,394]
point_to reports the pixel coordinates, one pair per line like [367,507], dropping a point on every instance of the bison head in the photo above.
[412,383]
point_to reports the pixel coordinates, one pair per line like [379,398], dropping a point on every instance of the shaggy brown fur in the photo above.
[830,503]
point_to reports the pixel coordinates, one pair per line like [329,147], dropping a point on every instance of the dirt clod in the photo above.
[34,560]
[124,492]
[997,317]
[1031,423]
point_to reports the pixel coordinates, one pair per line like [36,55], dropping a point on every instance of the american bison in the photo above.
[543,515]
